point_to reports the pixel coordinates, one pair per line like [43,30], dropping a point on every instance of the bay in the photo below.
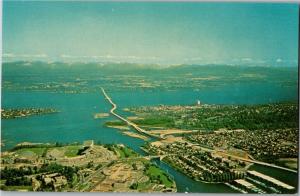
[75,121]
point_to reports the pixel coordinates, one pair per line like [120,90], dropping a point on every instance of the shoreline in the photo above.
[135,135]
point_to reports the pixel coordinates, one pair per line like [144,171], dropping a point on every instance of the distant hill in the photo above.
[86,77]
[59,68]
[54,67]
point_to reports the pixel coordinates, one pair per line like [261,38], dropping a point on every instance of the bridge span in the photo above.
[129,123]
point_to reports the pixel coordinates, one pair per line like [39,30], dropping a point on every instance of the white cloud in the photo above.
[27,64]
[108,57]
[8,55]
[66,56]
[246,59]
[194,59]
[11,55]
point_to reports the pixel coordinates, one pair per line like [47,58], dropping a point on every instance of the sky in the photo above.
[151,32]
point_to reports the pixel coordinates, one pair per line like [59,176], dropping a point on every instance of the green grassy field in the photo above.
[17,188]
[291,163]
[124,152]
[71,151]
[156,173]
[143,186]
[30,152]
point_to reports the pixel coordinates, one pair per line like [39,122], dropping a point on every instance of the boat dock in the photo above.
[248,186]
[270,179]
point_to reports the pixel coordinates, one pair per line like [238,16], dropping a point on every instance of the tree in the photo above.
[134,166]
[90,164]
[134,186]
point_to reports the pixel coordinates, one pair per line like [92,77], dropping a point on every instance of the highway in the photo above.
[243,159]
[135,126]
[261,163]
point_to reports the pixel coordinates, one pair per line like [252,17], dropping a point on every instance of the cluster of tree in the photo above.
[127,151]
[111,163]
[109,146]
[134,186]
[63,170]
[248,117]
[157,120]
[134,166]
[17,147]
[157,178]
[222,177]
[81,150]
[17,177]
[90,164]
[8,173]
[273,116]
[19,181]
[14,176]
[99,166]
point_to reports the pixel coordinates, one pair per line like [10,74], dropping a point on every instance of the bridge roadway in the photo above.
[262,163]
[135,126]
[243,159]
[149,157]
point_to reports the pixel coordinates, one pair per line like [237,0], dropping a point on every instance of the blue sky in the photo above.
[151,32]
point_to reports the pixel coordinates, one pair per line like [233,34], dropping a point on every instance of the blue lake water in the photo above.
[75,121]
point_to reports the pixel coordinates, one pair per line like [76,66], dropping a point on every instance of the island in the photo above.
[18,113]
[100,115]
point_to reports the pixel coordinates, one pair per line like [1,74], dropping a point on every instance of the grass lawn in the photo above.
[291,163]
[30,152]
[144,186]
[129,152]
[159,175]
[124,152]
[2,182]
[120,152]
[71,151]
[154,120]
[17,188]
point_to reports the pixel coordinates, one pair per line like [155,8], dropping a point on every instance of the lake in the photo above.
[75,122]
